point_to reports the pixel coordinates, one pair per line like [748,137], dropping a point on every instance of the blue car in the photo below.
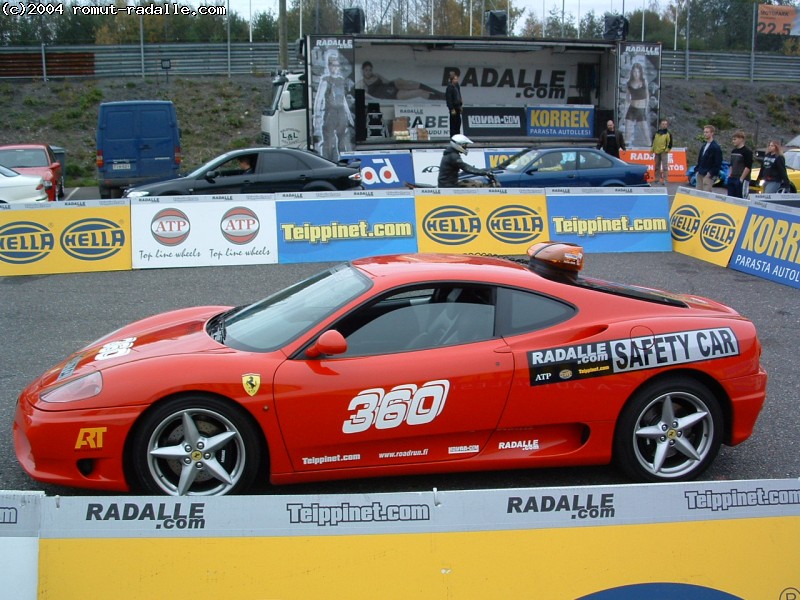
[722,179]
[566,167]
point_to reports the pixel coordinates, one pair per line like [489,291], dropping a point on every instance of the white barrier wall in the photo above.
[710,540]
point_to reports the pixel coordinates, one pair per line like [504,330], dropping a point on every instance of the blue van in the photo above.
[138,142]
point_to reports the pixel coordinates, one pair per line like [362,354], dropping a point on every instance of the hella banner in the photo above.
[768,246]
[41,238]
[480,221]
[384,170]
[344,227]
[494,121]
[561,121]
[706,225]
[611,219]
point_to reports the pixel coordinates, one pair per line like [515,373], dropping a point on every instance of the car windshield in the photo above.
[792,160]
[521,161]
[29,157]
[5,172]
[214,163]
[272,323]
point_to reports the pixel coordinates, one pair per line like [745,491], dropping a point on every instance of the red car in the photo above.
[36,159]
[397,365]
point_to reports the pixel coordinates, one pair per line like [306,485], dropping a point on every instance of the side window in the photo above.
[420,318]
[550,162]
[278,162]
[592,160]
[297,97]
[522,312]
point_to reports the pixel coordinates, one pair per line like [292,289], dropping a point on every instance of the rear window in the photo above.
[630,291]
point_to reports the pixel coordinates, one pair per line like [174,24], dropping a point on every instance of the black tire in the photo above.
[670,430]
[161,452]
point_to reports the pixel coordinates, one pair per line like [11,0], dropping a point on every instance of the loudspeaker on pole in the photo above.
[496,22]
[616,28]
[353,20]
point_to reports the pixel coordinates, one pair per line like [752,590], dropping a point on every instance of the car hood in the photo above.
[158,186]
[174,333]
[35,172]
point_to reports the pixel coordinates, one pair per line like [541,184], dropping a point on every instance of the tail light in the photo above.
[99,160]
[355,176]
[178,155]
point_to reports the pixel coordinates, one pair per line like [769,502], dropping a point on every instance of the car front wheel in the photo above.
[670,430]
[195,446]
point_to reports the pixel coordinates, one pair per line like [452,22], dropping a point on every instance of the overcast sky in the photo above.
[578,8]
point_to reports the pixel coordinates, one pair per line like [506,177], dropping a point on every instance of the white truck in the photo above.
[358,92]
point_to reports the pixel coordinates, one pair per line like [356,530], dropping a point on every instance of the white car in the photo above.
[16,188]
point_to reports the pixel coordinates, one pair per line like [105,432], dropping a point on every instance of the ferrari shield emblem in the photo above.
[251,382]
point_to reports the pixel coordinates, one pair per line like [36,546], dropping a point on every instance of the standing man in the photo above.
[611,140]
[453,98]
[662,144]
[741,165]
[709,161]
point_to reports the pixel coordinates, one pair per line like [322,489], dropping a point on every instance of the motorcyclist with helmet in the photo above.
[452,163]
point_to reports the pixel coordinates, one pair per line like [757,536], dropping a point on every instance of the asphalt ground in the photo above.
[44,318]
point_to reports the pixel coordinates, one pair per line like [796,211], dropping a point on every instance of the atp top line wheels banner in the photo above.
[199,231]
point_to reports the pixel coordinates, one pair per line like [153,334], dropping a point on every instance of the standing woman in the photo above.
[773,168]
[454,103]
[636,118]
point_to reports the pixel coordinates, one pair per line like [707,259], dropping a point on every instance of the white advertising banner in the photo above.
[426,164]
[203,231]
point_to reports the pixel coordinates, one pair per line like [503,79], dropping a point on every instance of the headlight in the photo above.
[136,194]
[80,389]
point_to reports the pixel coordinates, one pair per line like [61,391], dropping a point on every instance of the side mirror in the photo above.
[211,176]
[286,102]
[331,342]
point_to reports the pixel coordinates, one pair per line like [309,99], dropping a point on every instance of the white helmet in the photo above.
[460,142]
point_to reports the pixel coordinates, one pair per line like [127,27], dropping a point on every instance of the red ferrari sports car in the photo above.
[397,365]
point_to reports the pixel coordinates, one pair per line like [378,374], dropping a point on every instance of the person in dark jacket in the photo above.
[709,161]
[773,169]
[454,103]
[452,163]
[611,140]
[741,165]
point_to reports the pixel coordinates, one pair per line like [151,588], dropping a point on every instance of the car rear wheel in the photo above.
[670,430]
[196,446]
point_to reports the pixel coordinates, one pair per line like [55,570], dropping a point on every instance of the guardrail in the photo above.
[259,58]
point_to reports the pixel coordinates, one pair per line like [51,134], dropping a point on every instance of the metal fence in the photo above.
[260,58]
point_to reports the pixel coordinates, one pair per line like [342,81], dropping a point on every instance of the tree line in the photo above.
[714,25]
